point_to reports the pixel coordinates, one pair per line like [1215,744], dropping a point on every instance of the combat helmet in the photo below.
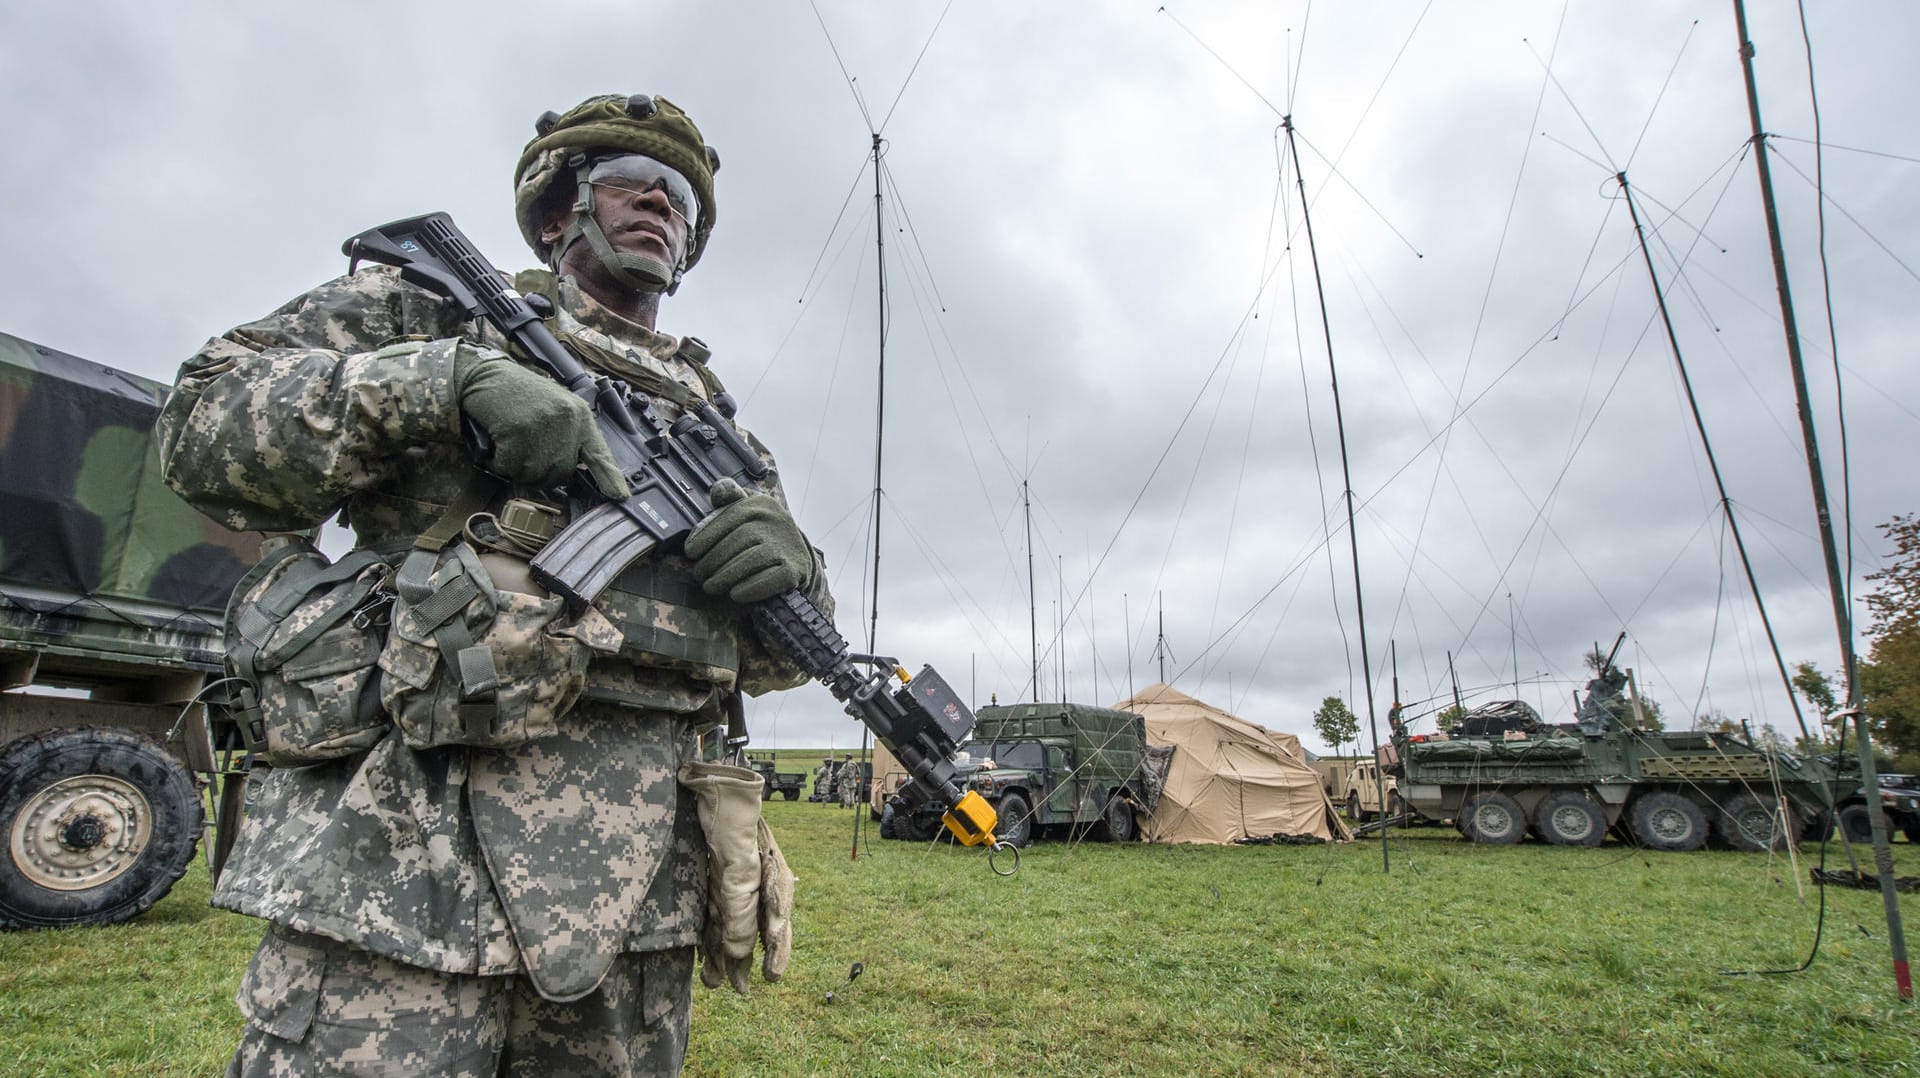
[555,165]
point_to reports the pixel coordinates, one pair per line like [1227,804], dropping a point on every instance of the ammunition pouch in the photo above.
[303,642]
[479,655]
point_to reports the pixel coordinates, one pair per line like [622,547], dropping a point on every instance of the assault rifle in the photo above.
[670,467]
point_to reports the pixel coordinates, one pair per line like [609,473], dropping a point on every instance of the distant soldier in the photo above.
[822,780]
[849,783]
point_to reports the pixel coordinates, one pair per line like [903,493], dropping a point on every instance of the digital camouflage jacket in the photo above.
[550,858]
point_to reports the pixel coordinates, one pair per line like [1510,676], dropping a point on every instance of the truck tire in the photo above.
[1855,824]
[1353,807]
[1016,821]
[1663,820]
[1751,824]
[1493,818]
[1117,821]
[791,794]
[1570,818]
[99,824]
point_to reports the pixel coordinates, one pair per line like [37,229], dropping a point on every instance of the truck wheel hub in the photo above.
[80,832]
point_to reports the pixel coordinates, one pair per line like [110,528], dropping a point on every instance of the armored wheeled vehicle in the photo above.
[1504,772]
[111,596]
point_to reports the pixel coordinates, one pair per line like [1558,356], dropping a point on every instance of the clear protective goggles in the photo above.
[639,173]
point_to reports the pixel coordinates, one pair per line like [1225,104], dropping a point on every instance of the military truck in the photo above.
[1051,768]
[1899,799]
[1360,793]
[1504,772]
[111,599]
[785,783]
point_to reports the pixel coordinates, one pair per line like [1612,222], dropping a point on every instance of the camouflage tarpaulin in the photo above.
[82,509]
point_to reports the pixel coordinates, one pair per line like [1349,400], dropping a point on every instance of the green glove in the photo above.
[750,548]
[540,432]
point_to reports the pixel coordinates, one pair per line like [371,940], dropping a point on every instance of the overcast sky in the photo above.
[1098,282]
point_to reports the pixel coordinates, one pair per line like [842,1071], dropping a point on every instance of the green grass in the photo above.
[1150,960]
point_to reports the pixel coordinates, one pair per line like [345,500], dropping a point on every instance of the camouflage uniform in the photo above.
[498,882]
[849,784]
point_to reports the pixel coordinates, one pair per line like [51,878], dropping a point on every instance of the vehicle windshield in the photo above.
[1017,754]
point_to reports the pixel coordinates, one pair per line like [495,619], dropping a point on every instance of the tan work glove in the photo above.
[749,887]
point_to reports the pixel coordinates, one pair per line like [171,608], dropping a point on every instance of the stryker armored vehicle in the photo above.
[1504,772]
[1046,767]
[112,592]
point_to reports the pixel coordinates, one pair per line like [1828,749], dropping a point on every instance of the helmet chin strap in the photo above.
[642,273]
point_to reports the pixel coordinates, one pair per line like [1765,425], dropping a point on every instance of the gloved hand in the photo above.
[749,887]
[540,432]
[750,548]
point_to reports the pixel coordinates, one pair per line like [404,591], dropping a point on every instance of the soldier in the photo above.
[480,904]
[822,780]
[843,780]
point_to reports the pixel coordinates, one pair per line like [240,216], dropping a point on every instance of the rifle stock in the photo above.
[670,467]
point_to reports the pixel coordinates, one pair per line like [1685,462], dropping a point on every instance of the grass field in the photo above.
[1151,960]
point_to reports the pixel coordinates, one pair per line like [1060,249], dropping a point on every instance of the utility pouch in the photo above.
[303,643]
[479,655]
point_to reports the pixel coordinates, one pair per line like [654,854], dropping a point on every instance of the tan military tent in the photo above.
[1230,779]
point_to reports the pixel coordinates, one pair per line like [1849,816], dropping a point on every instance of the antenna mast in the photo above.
[1033,625]
[1346,471]
[1836,584]
[880,396]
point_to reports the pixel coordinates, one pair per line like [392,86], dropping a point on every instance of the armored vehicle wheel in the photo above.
[1493,818]
[1818,828]
[1353,807]
[1668,821]
[99,824]
[1913,833]
[1855,824]
[1570,818]
[1395,806]
[1118,822]
[1751,824]
[1016,821]
[791,795]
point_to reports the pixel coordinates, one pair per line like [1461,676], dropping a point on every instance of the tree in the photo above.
[1890,678]
[1652,718]
[1336,724]
[1596,659]
[1815,687]
[1715,721]
[1449,717]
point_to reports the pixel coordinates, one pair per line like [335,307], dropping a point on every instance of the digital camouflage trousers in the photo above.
[318,1007]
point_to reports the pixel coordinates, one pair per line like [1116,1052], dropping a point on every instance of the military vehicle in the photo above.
[1051,767]
[785,783]
[1360,793]
[1899,799]
[1504,772]
[112,592]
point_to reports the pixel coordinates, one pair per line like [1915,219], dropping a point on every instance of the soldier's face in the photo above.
[637,220]
[641,223]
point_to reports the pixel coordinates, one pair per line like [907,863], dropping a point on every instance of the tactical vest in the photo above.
[657,604]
